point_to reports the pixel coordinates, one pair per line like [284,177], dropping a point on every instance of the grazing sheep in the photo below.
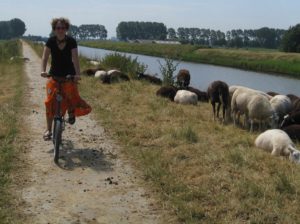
[272,93]
[282,105]
[149,78]
[290,119]
[183,78]
[278,143]
[293,131]
[19,58]
[259,109]
[240,100]
[114,76]
[167,92]
[218,92]
[202,96]
[186,97]
[295,102]
[90,71]
[94,62]
[100,74]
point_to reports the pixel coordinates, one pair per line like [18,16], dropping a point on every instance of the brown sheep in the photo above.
[272,93]
[167,92]
[114,76]
[218,92]
[202,96]
[90,71]
[295,102]
[183,78]
[149,78]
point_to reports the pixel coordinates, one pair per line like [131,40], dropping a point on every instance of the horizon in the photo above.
[221,15]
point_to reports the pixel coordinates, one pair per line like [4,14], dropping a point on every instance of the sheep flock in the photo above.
[276,116]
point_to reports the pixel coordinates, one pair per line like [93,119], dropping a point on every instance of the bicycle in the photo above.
[59,120]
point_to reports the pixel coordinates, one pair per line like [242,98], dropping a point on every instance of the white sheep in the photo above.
[186,97]
[259,109]
[94,62]
[100,74]
[282,105]
[278,143]
[240,99]
[110,72]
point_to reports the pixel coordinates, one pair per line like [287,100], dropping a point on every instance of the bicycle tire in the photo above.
[57,139]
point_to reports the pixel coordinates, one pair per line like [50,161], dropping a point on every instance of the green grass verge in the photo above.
[262,60]
[11,89]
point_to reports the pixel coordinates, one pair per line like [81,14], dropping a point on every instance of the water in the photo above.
[202,75]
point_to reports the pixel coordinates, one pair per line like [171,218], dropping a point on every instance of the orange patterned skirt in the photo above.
[71,99]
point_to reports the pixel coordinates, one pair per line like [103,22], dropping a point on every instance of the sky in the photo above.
[215,14]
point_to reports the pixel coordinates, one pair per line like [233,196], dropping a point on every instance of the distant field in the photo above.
[262,60]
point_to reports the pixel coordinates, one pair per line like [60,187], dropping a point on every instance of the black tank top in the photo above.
[61,60]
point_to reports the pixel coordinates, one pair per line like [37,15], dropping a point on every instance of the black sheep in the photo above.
[218,92]
[167,92]
[202,96]
[90,71]
[272,93]
[290,119]
[149,78]
[183,78]
[295,102]
[293,131]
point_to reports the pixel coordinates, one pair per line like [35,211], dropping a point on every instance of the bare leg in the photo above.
[49,123]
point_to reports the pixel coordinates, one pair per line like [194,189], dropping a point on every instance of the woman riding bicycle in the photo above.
[64,62]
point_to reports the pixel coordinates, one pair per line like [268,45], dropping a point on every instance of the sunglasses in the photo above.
[60,28]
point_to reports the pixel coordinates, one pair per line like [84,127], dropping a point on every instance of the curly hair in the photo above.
[62,20]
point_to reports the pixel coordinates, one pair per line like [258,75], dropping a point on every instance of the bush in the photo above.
[167,70]
[125,64]
[291,40]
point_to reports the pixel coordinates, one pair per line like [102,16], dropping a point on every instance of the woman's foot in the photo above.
[71,119]
[47,135]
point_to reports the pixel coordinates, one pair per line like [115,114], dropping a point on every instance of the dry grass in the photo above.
[204,171]
[11,86]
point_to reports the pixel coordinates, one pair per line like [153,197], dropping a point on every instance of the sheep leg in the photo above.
[214,109]
[251,126]
[218,110]
[224,112]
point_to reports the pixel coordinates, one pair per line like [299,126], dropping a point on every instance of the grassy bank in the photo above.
[11,86]
[203,171]
[261,60]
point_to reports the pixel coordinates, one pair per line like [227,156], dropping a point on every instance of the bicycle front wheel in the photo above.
[57,138]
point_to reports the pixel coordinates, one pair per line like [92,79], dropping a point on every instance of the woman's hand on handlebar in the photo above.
[44,74]
[77,78]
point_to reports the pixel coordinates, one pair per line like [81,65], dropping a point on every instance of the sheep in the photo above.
[295,102]
[94,62]
[114,76]
[186,97]
[19,58]
[202,96]
[272,93]
[167,92]
[100,74]
[259,109]
[240,99]
[290,119]
[90,71]
[282,105]
[218,92]
[293,131]
[183,78]
[278,143]
[149,78]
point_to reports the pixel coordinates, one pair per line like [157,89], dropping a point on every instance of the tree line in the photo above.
[13,28]
[141,30]
[264,37]
[88,32]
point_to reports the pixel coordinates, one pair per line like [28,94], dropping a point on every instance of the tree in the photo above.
[291,40]
[12,29]
[172,34]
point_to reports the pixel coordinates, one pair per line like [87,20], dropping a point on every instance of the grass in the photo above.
[262,60]
[203,171]
[11,86]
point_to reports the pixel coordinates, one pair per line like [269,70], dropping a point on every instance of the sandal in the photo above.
[47,135]
[71,119]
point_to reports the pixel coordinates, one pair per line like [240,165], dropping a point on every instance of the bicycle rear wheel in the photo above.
[57,138]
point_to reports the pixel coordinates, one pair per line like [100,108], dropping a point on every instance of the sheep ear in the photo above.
[292,149]
[286,116]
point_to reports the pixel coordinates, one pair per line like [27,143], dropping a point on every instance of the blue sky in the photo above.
[214,14]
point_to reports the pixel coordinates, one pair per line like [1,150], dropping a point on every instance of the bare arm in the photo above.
[45,58]
[75,60]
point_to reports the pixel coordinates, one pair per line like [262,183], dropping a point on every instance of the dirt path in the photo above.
[79,191]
